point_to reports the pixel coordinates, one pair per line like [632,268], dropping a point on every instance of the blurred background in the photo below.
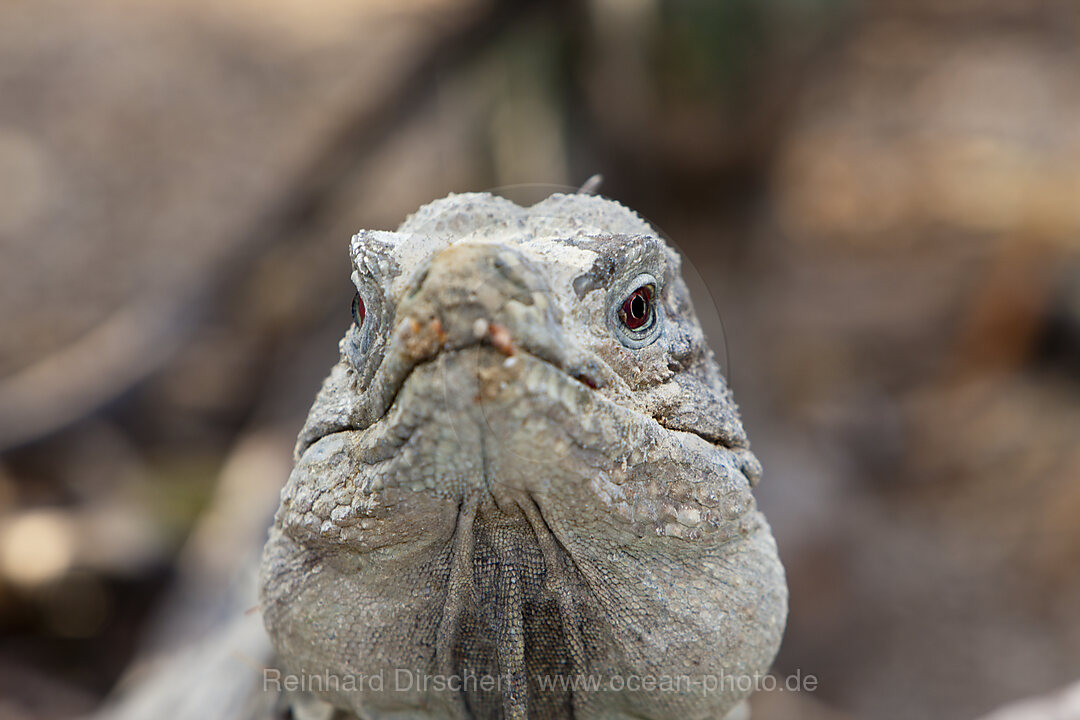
[881,200]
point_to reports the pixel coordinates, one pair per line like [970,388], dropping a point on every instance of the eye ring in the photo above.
[359,310]
[636,312]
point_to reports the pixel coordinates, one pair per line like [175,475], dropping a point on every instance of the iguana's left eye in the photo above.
[358,310]
[637,310]
[635,313]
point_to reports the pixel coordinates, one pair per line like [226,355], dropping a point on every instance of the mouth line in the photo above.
[578,375]
[510,351]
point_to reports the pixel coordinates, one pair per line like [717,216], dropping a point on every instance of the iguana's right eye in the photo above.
[358,310]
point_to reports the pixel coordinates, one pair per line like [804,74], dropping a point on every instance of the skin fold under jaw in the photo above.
[514,476]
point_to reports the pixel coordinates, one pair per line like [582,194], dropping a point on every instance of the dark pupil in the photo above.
[358,310]
[635,310]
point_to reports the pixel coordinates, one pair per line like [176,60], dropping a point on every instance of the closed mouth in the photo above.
[578,376]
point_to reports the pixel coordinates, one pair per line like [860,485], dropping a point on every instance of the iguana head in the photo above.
[525,466]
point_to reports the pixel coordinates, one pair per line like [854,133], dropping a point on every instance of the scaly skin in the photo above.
[500,478]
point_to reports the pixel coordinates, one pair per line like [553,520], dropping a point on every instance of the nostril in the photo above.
[419,281]
[500,264]
[510,269]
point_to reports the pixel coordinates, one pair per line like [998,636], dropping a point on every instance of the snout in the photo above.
[488,293]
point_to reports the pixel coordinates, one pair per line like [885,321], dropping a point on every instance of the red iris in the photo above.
[637,309]
[358,310]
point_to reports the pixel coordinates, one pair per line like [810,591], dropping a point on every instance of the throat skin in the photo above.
[497,548]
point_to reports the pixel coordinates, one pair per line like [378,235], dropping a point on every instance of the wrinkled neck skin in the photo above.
[507,504]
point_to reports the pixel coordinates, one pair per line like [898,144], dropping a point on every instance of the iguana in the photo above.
[524,491]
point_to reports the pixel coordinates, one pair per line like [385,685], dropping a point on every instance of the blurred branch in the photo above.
[141,338]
